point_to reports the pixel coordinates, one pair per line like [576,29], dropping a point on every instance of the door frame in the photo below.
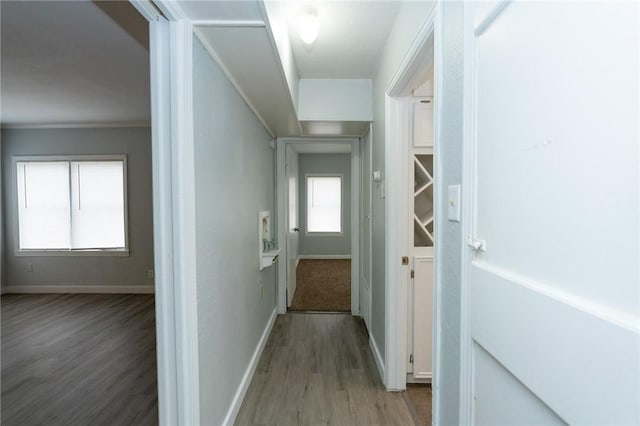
[397,128]
[369,248]
[282,211]
[173,185]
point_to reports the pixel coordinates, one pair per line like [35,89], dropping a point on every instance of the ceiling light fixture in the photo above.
[308,26]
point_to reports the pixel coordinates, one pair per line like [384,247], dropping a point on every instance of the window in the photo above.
[71,204]
[324,204]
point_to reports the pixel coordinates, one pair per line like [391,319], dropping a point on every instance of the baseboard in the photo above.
[107,289]
[376,356]
[230,418]
[325,256]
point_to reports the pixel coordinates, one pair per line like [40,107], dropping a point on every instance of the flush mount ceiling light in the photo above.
[308,25]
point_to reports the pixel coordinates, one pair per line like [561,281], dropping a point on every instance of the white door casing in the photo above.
[365,230]
[551,315]
[291,218]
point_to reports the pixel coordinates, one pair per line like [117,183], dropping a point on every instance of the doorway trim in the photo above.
[282,211]
[397,128]
[171,72]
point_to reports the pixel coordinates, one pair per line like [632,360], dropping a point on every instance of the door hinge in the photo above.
[411,359]
[405,260]
[413,273]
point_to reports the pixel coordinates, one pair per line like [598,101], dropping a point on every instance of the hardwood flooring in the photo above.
[420,398]
[317,369]
[78,359]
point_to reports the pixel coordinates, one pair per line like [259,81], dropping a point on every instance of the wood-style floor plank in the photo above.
[317,369]
[78,359]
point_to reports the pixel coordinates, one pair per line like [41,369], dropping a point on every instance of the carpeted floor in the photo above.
[419,401]
[323,285]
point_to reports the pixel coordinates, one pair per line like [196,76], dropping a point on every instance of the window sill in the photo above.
[63,253]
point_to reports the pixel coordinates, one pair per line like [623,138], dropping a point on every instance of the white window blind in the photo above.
[43,205]
[71,205]
[324,204]
[97,215]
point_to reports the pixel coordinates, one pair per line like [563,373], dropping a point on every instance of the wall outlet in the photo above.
[29,267]
[150,273]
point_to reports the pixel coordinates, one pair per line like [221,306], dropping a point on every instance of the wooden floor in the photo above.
[317,369]
[420,397]
[78,359]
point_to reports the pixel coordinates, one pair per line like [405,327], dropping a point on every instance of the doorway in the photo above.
[318,206]
[411,110]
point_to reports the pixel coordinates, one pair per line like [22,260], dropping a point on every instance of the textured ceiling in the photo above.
[73,62]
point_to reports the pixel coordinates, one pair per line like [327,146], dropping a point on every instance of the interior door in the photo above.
[365,231]
[554,296]
[291,177]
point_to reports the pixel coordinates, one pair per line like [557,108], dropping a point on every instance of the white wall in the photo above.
[334,99]
[409,19]
[234,181]
[83,270]
[340,164]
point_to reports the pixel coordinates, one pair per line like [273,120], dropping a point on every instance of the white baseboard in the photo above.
[230,418]
[107,289]
[376,356]
[324,256]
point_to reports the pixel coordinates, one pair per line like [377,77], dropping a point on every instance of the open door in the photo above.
[553,278]
[291,178]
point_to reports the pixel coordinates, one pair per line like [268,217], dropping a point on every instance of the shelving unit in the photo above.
[423,200]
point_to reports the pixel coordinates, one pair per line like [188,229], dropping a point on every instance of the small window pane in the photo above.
[98,204]
[43,205]
[324,204]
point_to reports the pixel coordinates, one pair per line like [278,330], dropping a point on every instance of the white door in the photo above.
[554,298]
[291,178]
[365,231]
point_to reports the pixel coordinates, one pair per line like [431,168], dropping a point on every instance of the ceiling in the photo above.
[351,37]
[73,62]
[87,62]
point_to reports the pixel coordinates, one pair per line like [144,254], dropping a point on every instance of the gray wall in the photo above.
[83,270]
[410,18]
[451,249]
[340,164]
[234,181]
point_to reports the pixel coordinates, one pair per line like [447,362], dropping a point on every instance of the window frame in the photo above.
[71,251]
[308,233]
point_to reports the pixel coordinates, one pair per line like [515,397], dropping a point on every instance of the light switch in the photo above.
[453,203]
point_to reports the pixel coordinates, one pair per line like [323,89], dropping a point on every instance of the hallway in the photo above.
[318,369]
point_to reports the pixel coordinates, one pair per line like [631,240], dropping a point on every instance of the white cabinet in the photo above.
[421,241]
[423,123]
[422,307]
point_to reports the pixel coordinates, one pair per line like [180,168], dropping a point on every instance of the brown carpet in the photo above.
[419,401]
[323,285]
